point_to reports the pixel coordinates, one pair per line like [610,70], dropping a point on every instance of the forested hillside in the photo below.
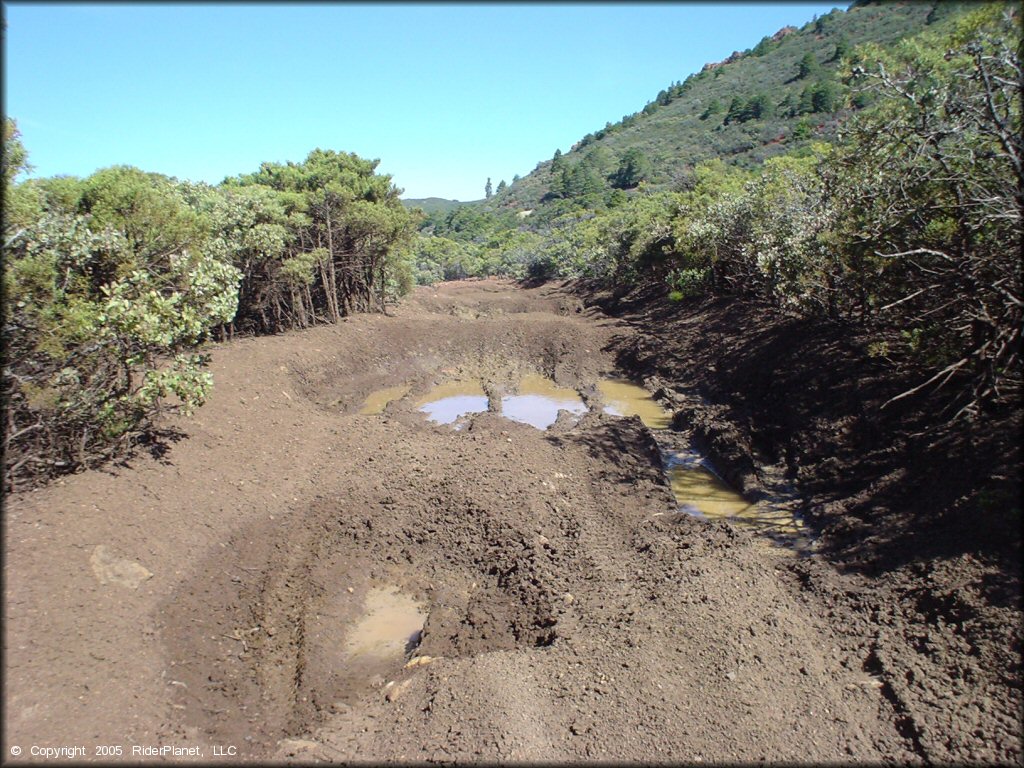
[777,96]
[432,205]
[113,282]
[897,207]
[865,168]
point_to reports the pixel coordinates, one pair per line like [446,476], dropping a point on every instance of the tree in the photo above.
[633,168]
[487,188]
[935,234]
[825,96]
[714,107]
[735,111]
[789,106]
[349,216]
[808,66]
[502,186]
[110,306]
[15,158]
[581,181]
[821,96]
[758,107]
[843,48]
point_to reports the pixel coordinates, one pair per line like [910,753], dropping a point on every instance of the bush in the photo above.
[89,367]
[687,282]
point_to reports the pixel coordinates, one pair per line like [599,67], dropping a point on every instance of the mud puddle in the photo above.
[447,403]
[390,626]
[538,401]
[702,493]
[698,490]
[624,398]
[389,629]
[377,401]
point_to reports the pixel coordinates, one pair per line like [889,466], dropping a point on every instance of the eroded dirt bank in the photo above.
[209,597]
[919,522]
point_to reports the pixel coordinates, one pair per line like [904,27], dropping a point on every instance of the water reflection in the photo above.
[538,402]
[452,400]
[624,398]
[699,491]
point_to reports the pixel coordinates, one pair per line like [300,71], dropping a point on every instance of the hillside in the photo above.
[774,109]
[431,205]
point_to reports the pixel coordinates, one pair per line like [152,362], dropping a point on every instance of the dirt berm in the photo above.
[214,595]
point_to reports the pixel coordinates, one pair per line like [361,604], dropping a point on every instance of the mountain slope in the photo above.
[690,122]
[434,204]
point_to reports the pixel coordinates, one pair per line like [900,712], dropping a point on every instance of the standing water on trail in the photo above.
[377,401]
[701,492]
[388,628]
[624,398]
[697,489]
[446,403]
[390,625]
[538,402]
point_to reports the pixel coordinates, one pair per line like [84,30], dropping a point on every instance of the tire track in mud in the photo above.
[571,613]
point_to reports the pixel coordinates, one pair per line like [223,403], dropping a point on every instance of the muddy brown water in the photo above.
[572,614]
[701,492]
[377,401]
[624,398]
[537,401]
[389,627]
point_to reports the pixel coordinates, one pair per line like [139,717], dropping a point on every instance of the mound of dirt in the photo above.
[295,580]
[919,519]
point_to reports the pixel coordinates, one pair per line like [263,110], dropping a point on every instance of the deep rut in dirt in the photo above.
[563,607]
[556,550]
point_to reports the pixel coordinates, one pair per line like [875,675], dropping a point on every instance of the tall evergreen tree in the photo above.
[808,66]
[633,168]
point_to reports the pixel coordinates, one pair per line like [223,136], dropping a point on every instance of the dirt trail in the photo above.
[205,597]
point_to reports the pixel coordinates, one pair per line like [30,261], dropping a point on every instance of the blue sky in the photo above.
[444,95]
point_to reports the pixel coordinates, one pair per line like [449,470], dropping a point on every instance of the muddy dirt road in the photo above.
[296,580]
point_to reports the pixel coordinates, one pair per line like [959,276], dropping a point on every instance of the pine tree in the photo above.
[808,66]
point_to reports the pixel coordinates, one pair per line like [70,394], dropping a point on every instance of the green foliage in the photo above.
[757,107]
[803,129]
[766,45]
[936,233]
[333,204]
[843,48]
[808,67]
[714,107]
[634,167]
[686,283]
[116,281]
[147,209]
[681,128]
[14,159]
[825,97]
[909,224]
[98,340]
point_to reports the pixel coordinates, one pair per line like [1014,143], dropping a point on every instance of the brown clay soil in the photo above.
[204,596]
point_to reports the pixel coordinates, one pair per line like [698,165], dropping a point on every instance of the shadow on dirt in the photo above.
[887,485]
